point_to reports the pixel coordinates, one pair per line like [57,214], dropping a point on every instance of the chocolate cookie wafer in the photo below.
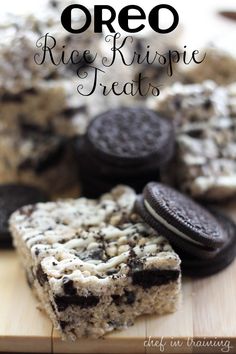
[196,267]
[131,136]
[125,145]
[188,225]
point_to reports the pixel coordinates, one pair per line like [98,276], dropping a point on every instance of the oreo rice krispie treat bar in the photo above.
[40,109]
[44,95]
[43,98]
[204,115]
[95,265]
[36,157]
[53,106]
[22,41]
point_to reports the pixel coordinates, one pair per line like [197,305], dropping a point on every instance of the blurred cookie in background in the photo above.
[126,145]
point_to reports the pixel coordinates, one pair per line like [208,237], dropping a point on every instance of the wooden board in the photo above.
[207,312]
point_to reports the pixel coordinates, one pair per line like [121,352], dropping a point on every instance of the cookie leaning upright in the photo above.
[196,267]
[204,239]
[188,225]
[126,145]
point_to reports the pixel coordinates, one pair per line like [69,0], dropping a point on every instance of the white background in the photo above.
[199,22]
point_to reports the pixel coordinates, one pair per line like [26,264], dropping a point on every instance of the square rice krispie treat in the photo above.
[206,160]
[94,264]
[204,116]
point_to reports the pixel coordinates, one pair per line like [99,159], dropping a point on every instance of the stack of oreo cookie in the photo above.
[124,145]
[204,240]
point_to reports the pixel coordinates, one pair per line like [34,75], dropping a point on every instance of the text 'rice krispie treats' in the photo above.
[94,264]
[205,119]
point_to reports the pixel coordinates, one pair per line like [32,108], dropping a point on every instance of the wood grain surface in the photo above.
[207,312]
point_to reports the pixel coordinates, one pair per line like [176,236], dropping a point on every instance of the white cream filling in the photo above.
[169,226]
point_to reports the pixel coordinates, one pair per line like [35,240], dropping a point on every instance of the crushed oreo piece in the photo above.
[49,157]
[83,302]
[127,298]
[8,97]
[112,271]
[116,299]
[41,276]
[130,297]
[63,324]
[154,277]
[68,286]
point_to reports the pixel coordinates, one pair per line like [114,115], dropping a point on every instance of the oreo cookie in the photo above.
[195,267]
[188,226]
[124,145]
[13,197]
[131,136]
[100,168]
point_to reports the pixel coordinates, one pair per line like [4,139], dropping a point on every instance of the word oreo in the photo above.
[124,18]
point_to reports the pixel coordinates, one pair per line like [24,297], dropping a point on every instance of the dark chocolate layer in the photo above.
[83,302]
[154,277]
